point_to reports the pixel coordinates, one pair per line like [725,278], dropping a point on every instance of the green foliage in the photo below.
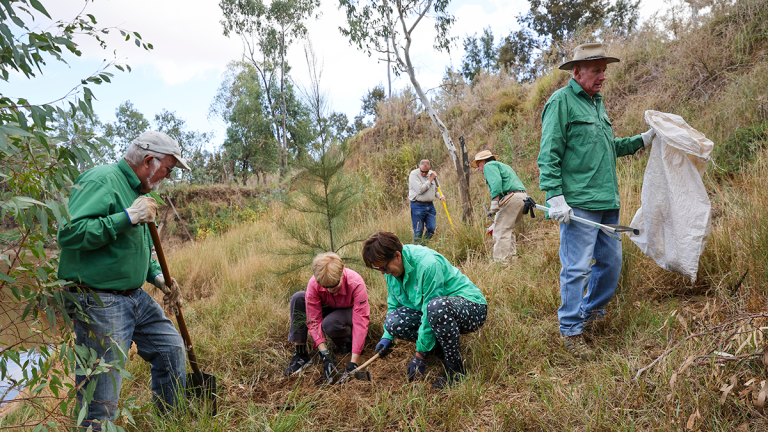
[324,196]
[480,54]
[129,125]
[36,172]
[741,147]
[75,128]
[550,23]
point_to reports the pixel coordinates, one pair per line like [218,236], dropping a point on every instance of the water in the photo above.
[8,388]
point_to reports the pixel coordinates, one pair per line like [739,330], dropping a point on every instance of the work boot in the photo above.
[578,347]
[299,362]
[452,373]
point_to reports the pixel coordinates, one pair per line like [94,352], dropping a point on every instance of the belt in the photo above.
[126,293]
[514,192]
[422,202]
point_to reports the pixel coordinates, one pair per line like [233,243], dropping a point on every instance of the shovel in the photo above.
[199,384]
[613,231]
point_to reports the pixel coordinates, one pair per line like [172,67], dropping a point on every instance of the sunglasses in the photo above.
[424,172]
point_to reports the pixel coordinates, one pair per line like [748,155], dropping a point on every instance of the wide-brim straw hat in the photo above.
[587,52]
[483,155]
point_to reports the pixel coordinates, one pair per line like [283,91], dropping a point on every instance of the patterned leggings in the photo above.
[448,316]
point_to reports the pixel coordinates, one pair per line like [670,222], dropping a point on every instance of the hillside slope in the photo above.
[715,75]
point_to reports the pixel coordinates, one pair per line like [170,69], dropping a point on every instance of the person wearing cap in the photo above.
[577,164]
[422,190]
[334,304]
[507,195]
[429,301]
[106,257]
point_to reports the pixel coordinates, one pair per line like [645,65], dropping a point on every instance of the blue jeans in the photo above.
[579,245]
[423,216]
[121,319]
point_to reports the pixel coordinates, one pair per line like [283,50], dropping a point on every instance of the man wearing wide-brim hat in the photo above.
[577,164]
[507,195]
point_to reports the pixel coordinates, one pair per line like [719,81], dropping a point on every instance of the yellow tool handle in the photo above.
[446,208]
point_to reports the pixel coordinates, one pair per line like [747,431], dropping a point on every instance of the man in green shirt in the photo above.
[507,195]
[106,255]
[429,302]
[577,164]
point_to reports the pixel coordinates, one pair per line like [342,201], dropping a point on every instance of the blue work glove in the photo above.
[416,368]
[384,347]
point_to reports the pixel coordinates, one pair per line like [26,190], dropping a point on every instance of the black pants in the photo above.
[449,317]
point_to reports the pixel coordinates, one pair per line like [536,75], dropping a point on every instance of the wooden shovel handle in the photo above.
[364,365]
[179,316]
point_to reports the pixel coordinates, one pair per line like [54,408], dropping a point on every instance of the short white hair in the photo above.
[135,154]
[425,162]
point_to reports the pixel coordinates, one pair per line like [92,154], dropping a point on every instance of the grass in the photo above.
[520,377]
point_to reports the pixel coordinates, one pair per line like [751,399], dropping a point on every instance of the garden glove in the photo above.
[648,137]
[383,347]
[494,207]
[416,368]
[350,367]
[143,210]
[559,210]
[172,298]
[329,366]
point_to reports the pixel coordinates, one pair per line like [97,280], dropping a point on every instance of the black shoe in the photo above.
[299,362]
[451,374]
[346,348]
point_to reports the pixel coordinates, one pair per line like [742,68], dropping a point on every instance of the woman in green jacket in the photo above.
[429,302]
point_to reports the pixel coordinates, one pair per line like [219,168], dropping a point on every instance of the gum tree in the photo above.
[388,26]
[37,170]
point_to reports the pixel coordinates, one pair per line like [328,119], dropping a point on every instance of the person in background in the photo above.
[507,195]
[429,302]
[335,303]
[421,192]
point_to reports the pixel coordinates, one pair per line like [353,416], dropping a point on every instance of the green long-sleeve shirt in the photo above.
[578,150]
[501,178]
[427,275]
[99,247]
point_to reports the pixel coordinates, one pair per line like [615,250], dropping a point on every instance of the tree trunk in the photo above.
[285,109]
[466,201]
[389,72]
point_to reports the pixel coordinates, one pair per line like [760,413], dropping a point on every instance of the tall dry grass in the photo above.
[520,377]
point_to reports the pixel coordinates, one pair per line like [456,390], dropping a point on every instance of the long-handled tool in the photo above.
[613,231]
[437,183]
[359,373]
[199,383]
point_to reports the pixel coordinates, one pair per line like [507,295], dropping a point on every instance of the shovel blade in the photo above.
[363,375]
[203,386]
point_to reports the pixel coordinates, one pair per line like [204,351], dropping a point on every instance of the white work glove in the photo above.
[559,210]
[494,207]
[648,137]
[172,297]
[143,210]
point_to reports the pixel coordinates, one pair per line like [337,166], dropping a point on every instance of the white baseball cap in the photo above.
[161,143]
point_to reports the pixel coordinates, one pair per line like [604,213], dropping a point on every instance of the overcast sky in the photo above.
[183,71]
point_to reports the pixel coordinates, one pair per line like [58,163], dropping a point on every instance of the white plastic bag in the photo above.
[674,216]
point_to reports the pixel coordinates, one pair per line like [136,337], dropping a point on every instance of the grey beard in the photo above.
[155,185]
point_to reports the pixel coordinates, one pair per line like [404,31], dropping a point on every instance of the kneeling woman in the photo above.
[429,302]
[335,303]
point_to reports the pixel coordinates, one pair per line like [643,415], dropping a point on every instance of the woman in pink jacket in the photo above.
[334,304]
